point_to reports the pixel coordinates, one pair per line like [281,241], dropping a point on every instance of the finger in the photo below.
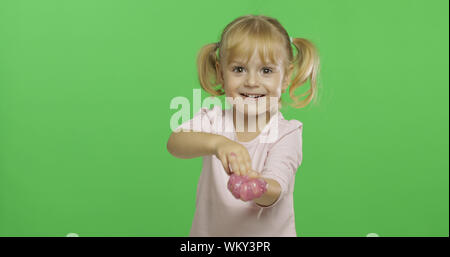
[243,169]
[229,167]
[239,171]
[242,166]
[253,174]
[234,165]
[248,166]
[248,161]
[230,158]
[225,164]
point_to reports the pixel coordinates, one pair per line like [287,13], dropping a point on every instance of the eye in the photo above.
[267,70]
[240,68]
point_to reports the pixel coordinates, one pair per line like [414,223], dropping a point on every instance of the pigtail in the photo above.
[307,66]
[206,66]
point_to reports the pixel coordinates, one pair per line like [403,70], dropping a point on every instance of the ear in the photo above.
[287,78]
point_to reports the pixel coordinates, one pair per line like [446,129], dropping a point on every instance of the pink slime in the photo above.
[246,189]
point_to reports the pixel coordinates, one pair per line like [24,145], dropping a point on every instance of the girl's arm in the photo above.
[187,145]
[271,195]
[282,163]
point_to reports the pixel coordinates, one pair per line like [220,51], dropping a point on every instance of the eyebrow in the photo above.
[242,63]
[237,62]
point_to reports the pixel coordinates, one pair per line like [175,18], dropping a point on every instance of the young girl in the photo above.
[255,61]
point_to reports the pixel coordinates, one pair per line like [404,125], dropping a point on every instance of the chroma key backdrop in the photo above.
[85,93]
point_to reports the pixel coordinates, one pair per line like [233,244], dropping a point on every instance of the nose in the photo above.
[252,79]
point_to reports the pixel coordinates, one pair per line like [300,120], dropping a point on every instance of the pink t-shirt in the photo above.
[276,153]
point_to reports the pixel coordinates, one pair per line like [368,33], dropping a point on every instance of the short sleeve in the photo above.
[283,160]
[203,121]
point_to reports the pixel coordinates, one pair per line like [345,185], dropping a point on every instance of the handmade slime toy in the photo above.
[245,188]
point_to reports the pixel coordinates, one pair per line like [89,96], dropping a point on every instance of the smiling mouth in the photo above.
[252,95]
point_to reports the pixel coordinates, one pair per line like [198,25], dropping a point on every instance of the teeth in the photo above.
[253,96]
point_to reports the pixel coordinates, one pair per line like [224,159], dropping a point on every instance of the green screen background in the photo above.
[85,88]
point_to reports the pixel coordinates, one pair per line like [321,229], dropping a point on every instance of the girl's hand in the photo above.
[254,174]
[233,154]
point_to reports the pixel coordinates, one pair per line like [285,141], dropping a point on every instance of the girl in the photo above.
[255,62]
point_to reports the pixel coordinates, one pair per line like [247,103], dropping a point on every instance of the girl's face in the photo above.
[254,82]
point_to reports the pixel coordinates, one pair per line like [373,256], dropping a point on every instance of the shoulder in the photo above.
[289,127]
[281,130]
[289,142]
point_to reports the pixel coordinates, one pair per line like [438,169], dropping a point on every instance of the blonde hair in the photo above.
[240,37]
